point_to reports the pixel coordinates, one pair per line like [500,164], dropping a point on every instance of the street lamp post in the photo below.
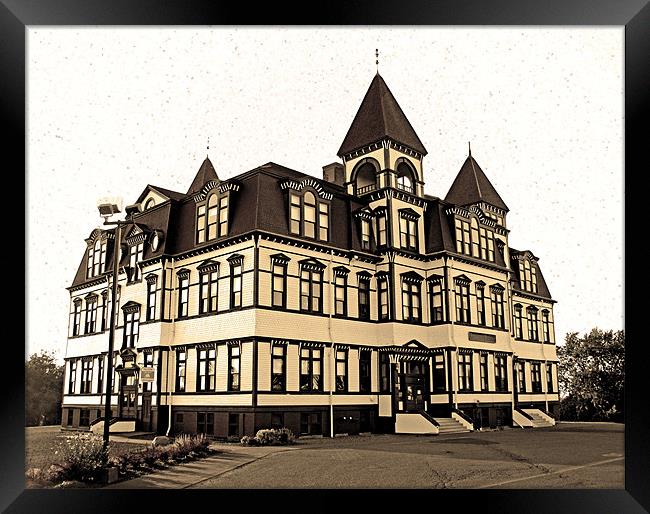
[106,210]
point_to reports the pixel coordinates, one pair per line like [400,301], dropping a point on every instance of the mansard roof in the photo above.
[472,186]
[380,116]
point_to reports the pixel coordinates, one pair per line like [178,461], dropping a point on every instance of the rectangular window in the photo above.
[234,366]
[364,298]
[86,376]
[466,238]
[533,279]
[462,302]
[200,224]
[213,215]
[277,420]
[294,225]
[91,315]
[178,423]
[181,361]
[549,377]
[474,238]
[72,378]
[183,295]
[382,236]
[384,372]
[546,327]
[233,425]
[498,320]
[484,371]
[323,221]
[522,377]
[480,305]
[310,423]
[340,296]
[341,370]
[223,216]
[500,373]
[235,284]
[148,363]
[209,289]
[435,292]
[70,419]
[410,301]
[310,369]
[100,374]
[519,334]
[439,375]
[310,290]
[365,383]
[536,377]
[76,318]
[532,324]
[483,243]
[382,287]
[465,377]
[84,417]
[131,328]
[408,234]
[205,374]
[105,307]
[136,253]
[309,215]
[278,284]
[151,300]
[205,423]
[365,234]
[278,367]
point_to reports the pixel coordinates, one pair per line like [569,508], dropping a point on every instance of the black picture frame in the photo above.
[15,15]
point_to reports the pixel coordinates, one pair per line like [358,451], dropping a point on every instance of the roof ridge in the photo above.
[478,186]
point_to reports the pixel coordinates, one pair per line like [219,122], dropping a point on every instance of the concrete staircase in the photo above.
[539,419]
[450,426]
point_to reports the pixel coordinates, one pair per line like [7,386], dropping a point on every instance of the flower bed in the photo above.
[83,460]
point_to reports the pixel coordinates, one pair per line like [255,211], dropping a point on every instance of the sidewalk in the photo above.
[181,476]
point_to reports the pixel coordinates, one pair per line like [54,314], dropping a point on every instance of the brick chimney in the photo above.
[334,173]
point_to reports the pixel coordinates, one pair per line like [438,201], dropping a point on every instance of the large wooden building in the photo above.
[352,303]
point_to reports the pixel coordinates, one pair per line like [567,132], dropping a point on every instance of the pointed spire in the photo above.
[380,116]
[471,186]
[205,174]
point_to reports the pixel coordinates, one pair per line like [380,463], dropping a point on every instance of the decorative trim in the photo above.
[311,264]
[462,279]
[207,266]
[497,288]
[151,278]
[411,277]
[235,258]
[409,214]
[341,271]
[279,258]
[131,307]
[306,182]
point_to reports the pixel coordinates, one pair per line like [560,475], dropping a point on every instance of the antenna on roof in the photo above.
[469,145]
[377,59]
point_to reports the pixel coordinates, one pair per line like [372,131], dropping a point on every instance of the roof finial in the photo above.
[469,145]
[207,148]
[377,59]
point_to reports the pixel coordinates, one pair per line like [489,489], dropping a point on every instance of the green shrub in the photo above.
[83,457]
[273,436]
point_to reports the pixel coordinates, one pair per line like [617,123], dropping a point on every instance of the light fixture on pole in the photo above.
[107,208]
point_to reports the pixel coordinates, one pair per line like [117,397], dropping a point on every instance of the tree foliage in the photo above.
[591,375]
[43,390]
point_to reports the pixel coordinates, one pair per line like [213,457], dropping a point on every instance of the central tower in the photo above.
[381,149]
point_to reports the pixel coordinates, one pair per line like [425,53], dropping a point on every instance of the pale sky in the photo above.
[110,110]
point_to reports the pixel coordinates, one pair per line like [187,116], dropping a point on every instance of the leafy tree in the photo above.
[591,374]
[44,390]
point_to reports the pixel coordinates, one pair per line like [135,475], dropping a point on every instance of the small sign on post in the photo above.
[146,374]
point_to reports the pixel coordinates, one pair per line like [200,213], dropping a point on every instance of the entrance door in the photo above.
[414,385]
[146,411]
[128,397]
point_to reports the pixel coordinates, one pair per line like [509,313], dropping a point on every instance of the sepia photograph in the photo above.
[325,257]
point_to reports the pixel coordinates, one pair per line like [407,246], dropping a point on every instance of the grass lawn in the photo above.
[42,442]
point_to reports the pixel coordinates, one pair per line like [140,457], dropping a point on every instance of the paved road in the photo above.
[580,455]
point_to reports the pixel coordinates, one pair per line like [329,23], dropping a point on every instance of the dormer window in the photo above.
[96,258]
[382,229]
[473,240]
[136,254]
[149,204]
[365,234]
[212,217]
[309,217]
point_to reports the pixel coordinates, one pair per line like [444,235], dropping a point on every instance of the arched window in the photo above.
[405,179]
[309,214]
[213,202]
[366,178]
